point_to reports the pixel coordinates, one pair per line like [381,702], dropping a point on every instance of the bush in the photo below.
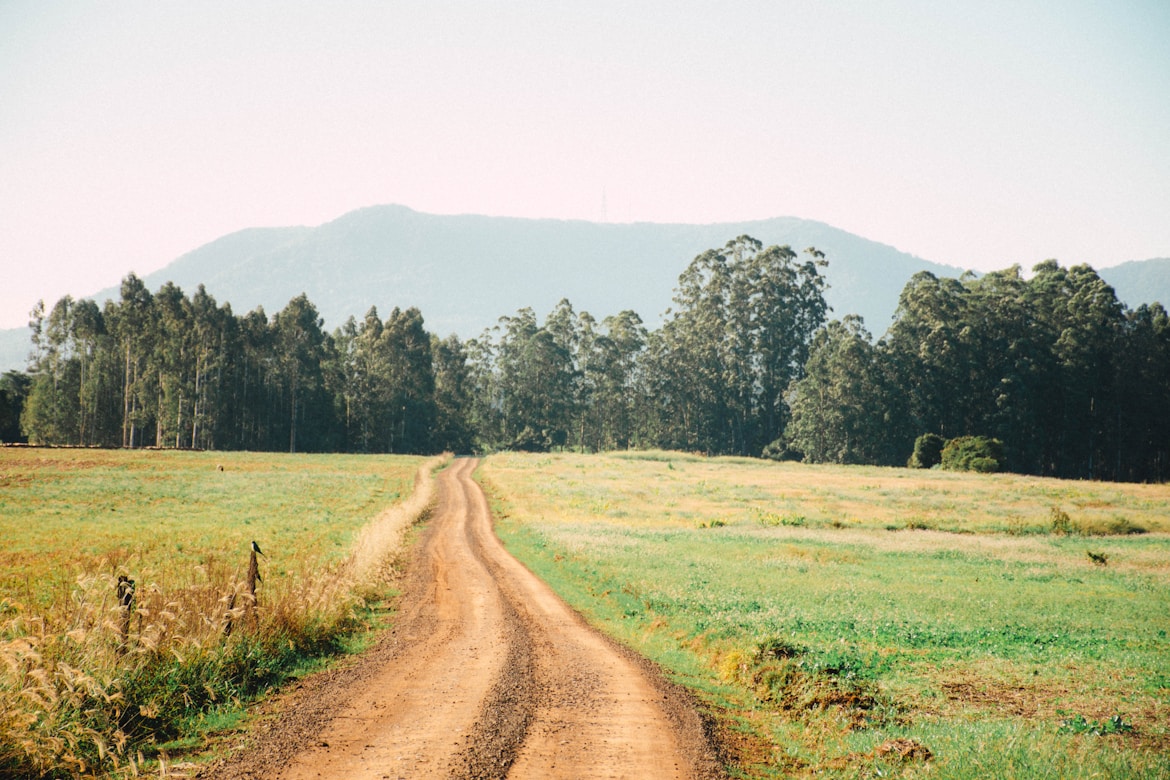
[927,451]
[1061,523]
[973,453]
[779,450]
[984,465]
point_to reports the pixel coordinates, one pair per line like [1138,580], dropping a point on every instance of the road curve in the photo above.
[488,674]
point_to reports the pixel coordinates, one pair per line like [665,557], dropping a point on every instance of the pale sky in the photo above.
[977,134]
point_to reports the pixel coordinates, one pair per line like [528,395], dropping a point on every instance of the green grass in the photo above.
[75,695]
[65,513]
[977,642]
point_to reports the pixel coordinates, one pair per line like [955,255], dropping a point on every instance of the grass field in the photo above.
[69,512]
[867,622]
[78,689]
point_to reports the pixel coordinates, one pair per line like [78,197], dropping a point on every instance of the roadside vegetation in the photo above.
[88,685]
[871,622]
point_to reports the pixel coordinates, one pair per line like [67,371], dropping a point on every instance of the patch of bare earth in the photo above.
[1147,719]
[487,674]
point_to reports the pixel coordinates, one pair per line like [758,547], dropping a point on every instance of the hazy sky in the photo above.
[978,134]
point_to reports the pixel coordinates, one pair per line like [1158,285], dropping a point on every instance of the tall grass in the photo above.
[858,622]
[87,686]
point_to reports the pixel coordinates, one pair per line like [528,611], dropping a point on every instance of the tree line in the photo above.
[1072,382]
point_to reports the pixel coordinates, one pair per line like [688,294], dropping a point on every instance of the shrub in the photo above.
[973,453]
[927,451]
[984,465]
[1061,523]
[775,648]
[779,450]
[773,519]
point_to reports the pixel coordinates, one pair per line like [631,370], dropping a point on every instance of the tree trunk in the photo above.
[126,431]
[292,428]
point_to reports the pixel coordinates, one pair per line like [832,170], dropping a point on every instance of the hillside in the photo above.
[14,348]
[464,272]
[1143,281]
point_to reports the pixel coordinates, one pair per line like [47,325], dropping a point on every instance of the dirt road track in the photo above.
[487,674]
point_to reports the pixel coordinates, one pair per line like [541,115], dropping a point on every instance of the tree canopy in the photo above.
[1052,366]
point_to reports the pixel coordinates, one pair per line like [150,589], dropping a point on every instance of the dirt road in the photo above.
[487,675]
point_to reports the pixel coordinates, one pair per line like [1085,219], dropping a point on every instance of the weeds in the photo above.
[1060,522]
[797,680]
[1062,525]
[774,519]
[87,685]
[1079,724]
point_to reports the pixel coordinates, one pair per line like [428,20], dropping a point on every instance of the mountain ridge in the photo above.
[466,271]
[410,257]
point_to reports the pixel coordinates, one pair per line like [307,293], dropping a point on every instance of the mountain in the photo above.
[464,272]
[15,345]
[1141,281]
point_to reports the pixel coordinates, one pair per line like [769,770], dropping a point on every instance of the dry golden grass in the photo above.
[682,489]
[84,684]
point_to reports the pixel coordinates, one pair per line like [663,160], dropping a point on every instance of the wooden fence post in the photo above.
[253,578]
[125,593]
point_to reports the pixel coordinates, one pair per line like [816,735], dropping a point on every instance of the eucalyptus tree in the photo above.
[844,408]
[300,351]
[700,382]
[785,305]
[409,389]
[1037,363]
[1012,372]
[610,397]
[96,382]
[453,431]
[72,396]
[213,351]
[1087,322]
[170,365]
[928,346]
[358,379]
[974,357]
[131,322]
[1144,416]
[14,390]
[739,335]
[537,379]
[668,408]
[50,413]
[253,385]
[485,409]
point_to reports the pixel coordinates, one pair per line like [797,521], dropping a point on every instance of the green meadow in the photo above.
[70,512]
[869,622]
[88,687]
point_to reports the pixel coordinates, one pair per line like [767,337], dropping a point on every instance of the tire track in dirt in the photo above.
[487,674]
